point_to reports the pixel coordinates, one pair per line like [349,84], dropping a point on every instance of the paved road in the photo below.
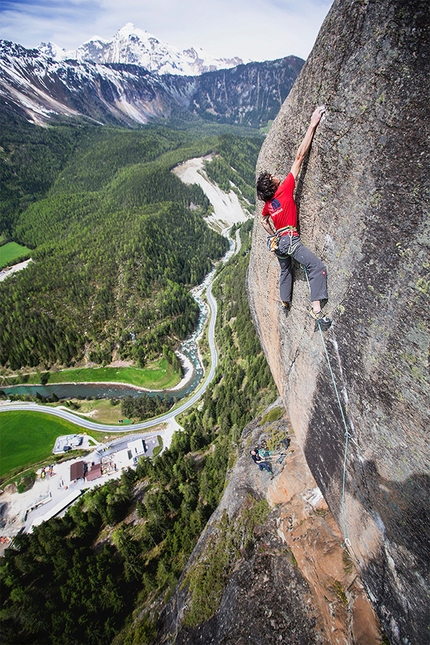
[168,417]
[165,418]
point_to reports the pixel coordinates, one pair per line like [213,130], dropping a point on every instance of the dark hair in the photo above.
[266,187]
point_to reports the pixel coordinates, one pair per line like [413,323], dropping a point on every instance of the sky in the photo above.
[251,29]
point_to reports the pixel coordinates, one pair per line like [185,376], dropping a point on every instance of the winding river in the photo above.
[227,211]
[189,349]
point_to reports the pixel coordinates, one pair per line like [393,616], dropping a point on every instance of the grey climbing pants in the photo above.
[316,270]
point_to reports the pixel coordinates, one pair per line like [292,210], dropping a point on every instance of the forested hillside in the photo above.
[117,239]
[30,160]
[102,573]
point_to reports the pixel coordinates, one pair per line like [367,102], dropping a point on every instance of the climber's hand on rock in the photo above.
[316,116]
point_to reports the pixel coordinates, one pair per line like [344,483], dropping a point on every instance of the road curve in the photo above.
[101,427]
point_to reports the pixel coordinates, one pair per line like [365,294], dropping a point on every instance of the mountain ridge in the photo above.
[134,46]
[42,90]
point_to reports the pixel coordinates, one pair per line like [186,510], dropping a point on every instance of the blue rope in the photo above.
[345,528]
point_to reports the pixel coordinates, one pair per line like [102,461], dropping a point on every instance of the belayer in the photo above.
[261,463]
[279,219]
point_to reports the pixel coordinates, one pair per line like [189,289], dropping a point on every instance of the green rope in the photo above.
[345,528]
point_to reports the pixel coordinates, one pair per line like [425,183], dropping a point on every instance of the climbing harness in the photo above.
[346,542]
[273,241]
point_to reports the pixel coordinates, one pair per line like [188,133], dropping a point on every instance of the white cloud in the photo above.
[251,29]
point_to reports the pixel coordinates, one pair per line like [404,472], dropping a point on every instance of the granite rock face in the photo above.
[363,198]
[288,581]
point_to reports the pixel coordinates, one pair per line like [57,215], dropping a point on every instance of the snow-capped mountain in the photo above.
[41,89]
[133,46]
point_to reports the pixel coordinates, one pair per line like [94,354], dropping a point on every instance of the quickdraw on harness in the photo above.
[273,241]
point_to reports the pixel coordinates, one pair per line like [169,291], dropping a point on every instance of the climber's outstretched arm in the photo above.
[306,143]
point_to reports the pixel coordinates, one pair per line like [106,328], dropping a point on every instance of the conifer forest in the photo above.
[117,241]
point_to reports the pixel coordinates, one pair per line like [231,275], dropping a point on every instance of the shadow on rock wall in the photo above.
[401,511]
[363,201]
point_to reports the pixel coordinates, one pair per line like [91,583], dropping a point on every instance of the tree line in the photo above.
[99,576]
[116,250]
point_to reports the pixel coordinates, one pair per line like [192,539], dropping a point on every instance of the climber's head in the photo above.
[267,185]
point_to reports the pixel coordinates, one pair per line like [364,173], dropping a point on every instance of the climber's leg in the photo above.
[264,466]
[285,280]
[316,272]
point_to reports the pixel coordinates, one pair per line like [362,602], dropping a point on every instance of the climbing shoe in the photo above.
[286,308]
[321,322]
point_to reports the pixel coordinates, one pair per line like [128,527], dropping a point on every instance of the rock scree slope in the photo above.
[363,198]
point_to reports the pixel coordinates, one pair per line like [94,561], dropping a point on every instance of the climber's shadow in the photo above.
[402,507]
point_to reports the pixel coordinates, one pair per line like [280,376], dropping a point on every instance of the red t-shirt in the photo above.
[282,208]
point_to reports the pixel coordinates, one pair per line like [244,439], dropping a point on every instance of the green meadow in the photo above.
[28,437]
[11,252]
[158,376]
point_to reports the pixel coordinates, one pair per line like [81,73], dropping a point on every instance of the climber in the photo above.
[257,459]
[279,219]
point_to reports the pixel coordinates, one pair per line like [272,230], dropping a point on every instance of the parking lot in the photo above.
[72,442]
[54,490]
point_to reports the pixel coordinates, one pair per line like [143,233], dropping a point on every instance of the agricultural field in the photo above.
[27,438]
[104,411]
[11,252]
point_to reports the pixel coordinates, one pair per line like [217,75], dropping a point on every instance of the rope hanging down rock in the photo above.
[345,527]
